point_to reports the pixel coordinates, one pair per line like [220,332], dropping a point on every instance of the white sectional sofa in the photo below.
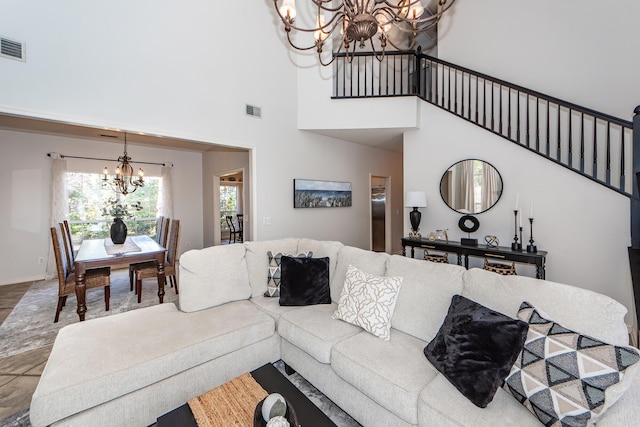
[130,368]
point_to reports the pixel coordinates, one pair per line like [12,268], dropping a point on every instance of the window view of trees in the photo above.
[228,204]
[90,203]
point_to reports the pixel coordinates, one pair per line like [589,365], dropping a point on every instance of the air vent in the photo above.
[254,111]
[12,49]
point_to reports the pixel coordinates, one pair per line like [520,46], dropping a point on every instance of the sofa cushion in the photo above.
[440,404]
[426,292]
[322,248]
[312,329]
[368,301]
[475,348]
[564,377]
[98,360]
[590,313]
[305,281]
[391,373]
[274,274]
[258,260]
[272,307]
[213,276]
[374,263]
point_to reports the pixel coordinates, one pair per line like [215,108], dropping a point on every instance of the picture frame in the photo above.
[309,193]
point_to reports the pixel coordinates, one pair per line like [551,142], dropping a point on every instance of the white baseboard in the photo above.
[21,279]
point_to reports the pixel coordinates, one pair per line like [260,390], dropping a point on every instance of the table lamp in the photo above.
[415,200]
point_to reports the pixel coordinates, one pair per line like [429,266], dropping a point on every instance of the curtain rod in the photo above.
[62,156]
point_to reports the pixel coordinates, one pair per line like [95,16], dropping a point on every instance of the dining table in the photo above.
[96,253]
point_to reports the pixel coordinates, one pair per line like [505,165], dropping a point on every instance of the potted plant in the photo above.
[118,210]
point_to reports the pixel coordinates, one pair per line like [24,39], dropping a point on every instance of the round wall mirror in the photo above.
[471,186]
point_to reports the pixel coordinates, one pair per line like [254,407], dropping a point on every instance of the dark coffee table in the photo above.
[272,380]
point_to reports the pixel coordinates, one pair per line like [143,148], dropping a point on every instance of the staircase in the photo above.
[595,145]
[600,147]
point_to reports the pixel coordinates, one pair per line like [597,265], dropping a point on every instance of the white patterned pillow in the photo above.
[273,276]
[565,378]
[368,301]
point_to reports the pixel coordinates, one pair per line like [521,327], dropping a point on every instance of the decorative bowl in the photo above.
[291,416]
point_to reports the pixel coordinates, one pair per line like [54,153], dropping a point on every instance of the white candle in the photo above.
[517,199]
[520,218]
[531,210]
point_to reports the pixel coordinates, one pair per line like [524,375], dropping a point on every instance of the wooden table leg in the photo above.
[81,290]
[161,278]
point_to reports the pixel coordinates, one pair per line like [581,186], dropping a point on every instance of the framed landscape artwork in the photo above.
[309,193]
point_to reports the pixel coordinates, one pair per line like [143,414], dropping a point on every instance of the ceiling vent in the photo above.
[254,111]
[12,49]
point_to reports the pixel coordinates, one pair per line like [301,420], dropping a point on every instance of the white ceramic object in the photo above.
[274,405]
[278,421]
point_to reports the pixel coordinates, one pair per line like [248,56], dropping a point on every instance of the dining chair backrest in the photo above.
[164,232]
[65,242]
[240,221]
[172,244]
[159,225]
[67,231]
[229,220]
[61,260]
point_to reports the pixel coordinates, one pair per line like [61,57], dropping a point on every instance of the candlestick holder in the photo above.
[515,246]
[531,247]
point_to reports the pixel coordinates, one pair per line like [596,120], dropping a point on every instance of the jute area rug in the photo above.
[30,324]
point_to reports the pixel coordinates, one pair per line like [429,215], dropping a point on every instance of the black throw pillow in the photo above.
[475,348]
[304,281]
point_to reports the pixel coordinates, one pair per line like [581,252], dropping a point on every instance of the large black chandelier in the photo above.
[354,22]
[124,181]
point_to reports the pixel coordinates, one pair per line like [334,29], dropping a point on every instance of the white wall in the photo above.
[583,225]
[582,51]
[25,177]
[171,69]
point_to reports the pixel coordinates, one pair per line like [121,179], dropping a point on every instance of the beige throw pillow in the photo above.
[368,301]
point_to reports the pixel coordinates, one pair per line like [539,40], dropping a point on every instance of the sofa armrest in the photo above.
[213,276]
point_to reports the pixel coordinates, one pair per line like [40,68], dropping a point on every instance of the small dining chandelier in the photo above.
[124,180]
[358,21]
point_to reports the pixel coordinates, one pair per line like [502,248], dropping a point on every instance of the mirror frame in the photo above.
[471,213]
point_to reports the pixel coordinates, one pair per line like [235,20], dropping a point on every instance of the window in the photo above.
[88,197]
[228,204]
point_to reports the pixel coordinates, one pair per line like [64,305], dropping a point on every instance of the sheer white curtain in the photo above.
[165,202]
[490,188]
[467,185]
[59,203]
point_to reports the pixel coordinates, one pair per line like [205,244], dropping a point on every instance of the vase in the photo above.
[118,231]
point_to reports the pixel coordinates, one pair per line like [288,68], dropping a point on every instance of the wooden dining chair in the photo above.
[94,278]
[170,268]
[240,219]
[233,233]
[162,230]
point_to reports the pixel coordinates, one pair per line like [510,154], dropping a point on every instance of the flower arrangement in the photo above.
[115,208]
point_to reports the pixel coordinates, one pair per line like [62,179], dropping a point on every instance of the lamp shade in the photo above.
[415,199]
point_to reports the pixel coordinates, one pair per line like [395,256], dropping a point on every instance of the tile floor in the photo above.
[19,374]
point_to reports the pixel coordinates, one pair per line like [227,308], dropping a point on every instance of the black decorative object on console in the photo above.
[531,247]
[469,228]
[415,200]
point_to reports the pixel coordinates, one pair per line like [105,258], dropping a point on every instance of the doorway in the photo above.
[229,206]
[380,228]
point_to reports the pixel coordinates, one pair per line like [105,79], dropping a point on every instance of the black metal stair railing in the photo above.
[595,145]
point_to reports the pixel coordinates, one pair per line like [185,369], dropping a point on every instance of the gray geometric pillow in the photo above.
[273,277]
[566,378]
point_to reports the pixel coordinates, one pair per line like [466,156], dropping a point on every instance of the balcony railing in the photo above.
[595,145]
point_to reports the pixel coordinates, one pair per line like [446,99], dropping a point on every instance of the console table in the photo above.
[502,253]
